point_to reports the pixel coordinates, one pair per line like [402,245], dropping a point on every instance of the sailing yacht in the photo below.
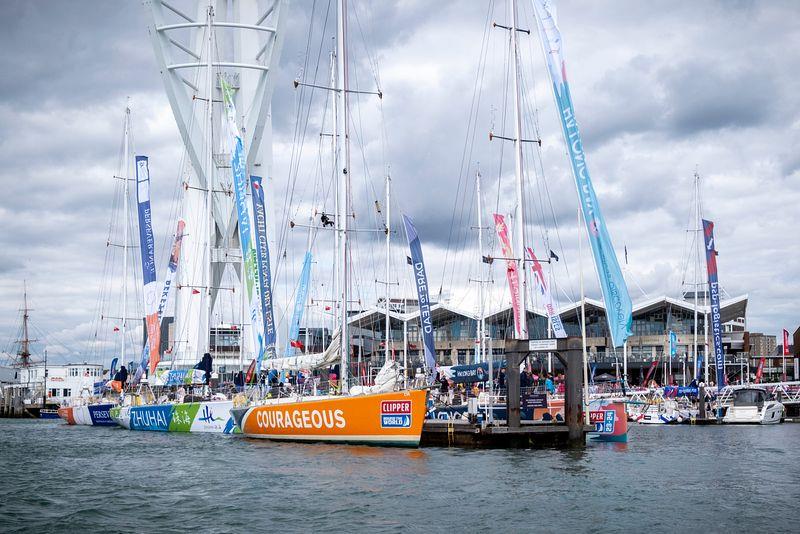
[383,413]
[94,407]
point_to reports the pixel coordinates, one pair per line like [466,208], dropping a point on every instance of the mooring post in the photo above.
[513,359]
[572,360]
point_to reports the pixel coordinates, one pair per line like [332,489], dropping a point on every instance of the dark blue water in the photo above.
[57,478]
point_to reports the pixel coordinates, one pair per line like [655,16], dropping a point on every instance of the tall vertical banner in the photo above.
[421,281]
[262,261]
[148,254]
[244,215]
[786,352]
[547,297]
[512,274]
[172,267]
[615,292]
[713,291]
[785,342]
[673,344]
[299,305]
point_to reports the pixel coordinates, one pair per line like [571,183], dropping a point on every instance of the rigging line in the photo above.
[462,233]
[297,144]
[371,60]
[471,118]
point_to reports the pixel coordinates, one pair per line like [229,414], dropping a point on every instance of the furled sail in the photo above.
[615,292]
[244,214]
[309,361]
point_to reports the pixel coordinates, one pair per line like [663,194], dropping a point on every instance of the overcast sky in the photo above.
[660,89]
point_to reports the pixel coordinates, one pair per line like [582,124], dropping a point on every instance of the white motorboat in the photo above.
[752,405]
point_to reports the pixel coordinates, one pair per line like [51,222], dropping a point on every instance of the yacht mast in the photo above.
[481,281]
[519,219]
[126,187]
[696,261]
[388,268]
[209,173]
[342,169]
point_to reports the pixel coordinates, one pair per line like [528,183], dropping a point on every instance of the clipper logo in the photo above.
[396,414]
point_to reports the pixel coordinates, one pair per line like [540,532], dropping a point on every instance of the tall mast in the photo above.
[519,219]
[209,173]
[343,164]
[388,273]
[126,187]
[25,342]
[696,262]
[481,281]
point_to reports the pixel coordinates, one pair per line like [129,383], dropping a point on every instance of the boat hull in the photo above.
[770,414]
[393,418]
[204,417]
[89,415]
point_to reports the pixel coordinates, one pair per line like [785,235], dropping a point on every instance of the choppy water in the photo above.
[57,478]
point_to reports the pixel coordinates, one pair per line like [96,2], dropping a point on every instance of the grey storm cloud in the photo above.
[660,88]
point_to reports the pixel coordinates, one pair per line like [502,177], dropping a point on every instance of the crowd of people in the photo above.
[529,382]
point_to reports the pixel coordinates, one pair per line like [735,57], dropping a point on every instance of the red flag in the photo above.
[195,292]
[760,369]
[250,372]
[296,343]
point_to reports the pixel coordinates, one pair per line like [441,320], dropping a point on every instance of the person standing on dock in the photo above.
[548,384]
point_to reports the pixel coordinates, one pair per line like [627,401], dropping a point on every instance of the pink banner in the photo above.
[511,269]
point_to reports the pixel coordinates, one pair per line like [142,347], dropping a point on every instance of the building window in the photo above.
[67,392]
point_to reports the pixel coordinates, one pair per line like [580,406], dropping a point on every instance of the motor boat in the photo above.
[664,412]
[752,405]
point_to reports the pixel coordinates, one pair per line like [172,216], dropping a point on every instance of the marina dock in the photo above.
[460,433]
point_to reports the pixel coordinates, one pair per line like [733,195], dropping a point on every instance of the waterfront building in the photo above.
[455,331]
[62,383]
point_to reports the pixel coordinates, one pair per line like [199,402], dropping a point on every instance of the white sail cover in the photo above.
[308,361]
[387,379]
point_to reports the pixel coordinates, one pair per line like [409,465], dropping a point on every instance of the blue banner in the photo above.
[250,275]
[713,291]
[299,304]
[615,292]
[673,344]
[262,259]
[421,281]
[680,391]
[699,367]
[474,373]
